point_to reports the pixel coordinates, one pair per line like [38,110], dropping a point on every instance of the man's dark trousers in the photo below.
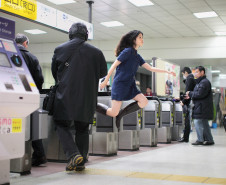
[81,143]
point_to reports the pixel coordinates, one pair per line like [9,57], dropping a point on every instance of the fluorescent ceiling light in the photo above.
[215,71]
[58,2]
[112,24]
[222,75]
[141,2]
[35,31]
[220,33]
[201,15]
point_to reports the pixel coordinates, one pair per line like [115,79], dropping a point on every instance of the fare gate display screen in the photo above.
[4,61]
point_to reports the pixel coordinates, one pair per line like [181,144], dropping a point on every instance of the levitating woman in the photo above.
[124,86]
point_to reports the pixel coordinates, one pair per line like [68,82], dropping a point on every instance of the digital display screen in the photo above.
[9,46]
[4,61]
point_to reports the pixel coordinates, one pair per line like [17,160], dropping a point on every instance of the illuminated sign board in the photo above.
[24,8]
[31,9]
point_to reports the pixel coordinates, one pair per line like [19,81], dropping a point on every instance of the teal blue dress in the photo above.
[124,85]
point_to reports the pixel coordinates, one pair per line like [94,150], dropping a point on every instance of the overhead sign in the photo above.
[24,8]
[42,13]
[64,22]
[46,14]
[7,28]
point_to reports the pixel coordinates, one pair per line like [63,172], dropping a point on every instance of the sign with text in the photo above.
[24,8]
[46,14]
[10,125]
[64,22]
[7,28]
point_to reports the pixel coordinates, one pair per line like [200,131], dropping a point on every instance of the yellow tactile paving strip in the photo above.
[155,176]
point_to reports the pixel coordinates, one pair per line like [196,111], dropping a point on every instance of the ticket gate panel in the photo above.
[178,122]
[104,136]
[164,135]
[4,171]
[129,140]
[105,143]
[129,135]
[164,132]
[149,137]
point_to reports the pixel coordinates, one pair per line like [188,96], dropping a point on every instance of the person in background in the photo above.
[148,92]
[124,83]
[203,107]
[76,67]
[189,86]
[22,41]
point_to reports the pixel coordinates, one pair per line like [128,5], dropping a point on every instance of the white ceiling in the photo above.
[167,18]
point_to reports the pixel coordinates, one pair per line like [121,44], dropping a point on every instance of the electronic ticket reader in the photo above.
[166,116]
[150,123]
[19,97]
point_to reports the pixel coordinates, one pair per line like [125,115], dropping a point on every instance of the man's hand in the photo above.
[187,95]
[181,103]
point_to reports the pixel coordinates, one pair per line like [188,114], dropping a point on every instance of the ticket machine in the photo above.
[19,97]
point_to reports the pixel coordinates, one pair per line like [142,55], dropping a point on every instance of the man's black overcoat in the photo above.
[76,95]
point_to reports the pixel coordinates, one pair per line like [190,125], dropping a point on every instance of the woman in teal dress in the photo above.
[124,86]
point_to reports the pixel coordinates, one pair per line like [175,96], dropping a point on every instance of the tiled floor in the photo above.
[176,163]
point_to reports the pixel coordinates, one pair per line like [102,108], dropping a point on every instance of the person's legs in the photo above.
[82,138]
[69,146]
[141,102]
[38,156]
[207,132]
[199,129]
[187,128]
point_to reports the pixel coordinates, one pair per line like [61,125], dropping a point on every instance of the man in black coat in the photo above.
[77,67]
[189,86]
[38,156]
[203,107]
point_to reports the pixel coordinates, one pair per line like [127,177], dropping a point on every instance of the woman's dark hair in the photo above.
[127,40]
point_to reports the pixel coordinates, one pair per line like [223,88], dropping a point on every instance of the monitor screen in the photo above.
[9,46]
[4,61]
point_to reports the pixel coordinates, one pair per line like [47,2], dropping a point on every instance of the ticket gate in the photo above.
[19,97]
[104,134]
[36,128]
[129,134]
[166,116]
[148,133]
[52,146]
[178,121]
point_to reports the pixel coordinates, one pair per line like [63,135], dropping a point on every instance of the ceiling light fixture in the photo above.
[112,23]
[222,75]
[35,31]
[220,33]
[141,2]
[59,2]
[201,15]
[215,71]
